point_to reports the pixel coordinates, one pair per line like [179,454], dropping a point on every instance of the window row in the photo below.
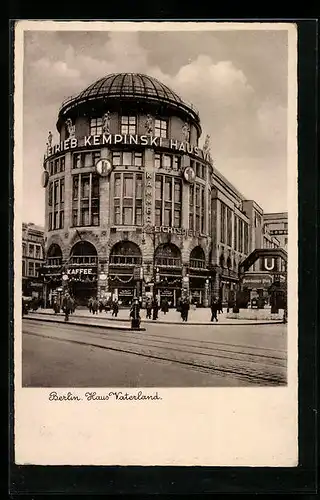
[167,162]
[56,193]
[31,270]
[57,166]
[199,169]
[85,159]
[168,194]
[34,251]
[128,195]
[129,126]
[85,200]
[197,207]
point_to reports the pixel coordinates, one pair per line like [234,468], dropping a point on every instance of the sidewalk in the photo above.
[199,316]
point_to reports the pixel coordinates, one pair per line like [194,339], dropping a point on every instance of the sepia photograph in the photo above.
[155,223]
[154,208]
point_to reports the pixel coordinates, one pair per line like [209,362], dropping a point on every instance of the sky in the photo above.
[236,79]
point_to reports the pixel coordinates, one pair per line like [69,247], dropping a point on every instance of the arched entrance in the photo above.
[168,271]
[124,271]
[82,272]
[198,277]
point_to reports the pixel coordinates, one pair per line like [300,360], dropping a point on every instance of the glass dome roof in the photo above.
[128,86]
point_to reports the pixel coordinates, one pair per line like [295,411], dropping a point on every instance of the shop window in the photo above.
[75,187]
[62,164]
[96,126]
[128,125]
[77,160]
[61,190]
[137,159]
[161,128]
[24,249]
[202,211]
[127,158]
[23,268]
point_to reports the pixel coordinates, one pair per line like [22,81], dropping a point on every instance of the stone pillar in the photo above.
[215,285]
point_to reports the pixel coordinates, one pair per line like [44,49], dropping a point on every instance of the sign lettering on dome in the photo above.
[125,139]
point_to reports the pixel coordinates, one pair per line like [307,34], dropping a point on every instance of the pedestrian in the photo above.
[100,306]
[148,308]
[220,309]
[155,309]
[185,306]
[165,306]
[95,306]
[115,308]
[135,314]
[90,304]
[230,304]
[67,306]
[214,309]
[56,305]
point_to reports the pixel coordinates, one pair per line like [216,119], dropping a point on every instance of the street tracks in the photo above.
[254,365]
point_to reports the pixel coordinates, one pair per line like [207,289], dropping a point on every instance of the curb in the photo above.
[208,323]
[78,323]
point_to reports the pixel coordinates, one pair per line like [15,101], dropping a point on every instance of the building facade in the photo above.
[134,205]
[32,259]
[276,224]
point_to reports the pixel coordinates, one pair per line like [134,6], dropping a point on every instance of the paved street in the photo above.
[67,355]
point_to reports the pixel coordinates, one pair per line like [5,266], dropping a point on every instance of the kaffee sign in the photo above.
[125,139]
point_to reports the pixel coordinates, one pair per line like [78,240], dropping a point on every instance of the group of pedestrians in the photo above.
[95,305]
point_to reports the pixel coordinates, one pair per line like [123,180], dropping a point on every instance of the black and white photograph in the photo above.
[155,212]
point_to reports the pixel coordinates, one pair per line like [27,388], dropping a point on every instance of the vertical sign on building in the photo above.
[148,198]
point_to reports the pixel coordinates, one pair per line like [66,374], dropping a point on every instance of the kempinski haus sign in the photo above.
[89,141]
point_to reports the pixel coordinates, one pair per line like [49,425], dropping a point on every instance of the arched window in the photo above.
[125,253]
[168,255]
[83,252]
[197,258]
[54,255]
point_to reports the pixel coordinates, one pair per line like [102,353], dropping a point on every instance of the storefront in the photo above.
[82,283]
[168,288]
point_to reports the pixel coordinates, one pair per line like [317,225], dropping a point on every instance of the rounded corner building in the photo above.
[133,205]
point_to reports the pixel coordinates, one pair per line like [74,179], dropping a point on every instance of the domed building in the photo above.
[134,205]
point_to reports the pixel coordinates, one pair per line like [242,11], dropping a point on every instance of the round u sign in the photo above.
[103,167]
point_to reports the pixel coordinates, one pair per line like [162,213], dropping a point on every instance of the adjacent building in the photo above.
[276,224]
[135,205]
[32,259]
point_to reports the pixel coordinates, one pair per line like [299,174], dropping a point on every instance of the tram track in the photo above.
[255,368]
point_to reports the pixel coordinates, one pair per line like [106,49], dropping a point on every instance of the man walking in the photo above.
[214,309]
[67,306]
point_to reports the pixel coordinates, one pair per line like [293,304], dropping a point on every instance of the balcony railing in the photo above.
[83,259]
[125,260]
[167,262]
[54,261]
[197,264]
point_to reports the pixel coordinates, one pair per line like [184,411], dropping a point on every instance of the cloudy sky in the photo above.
[236,79]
